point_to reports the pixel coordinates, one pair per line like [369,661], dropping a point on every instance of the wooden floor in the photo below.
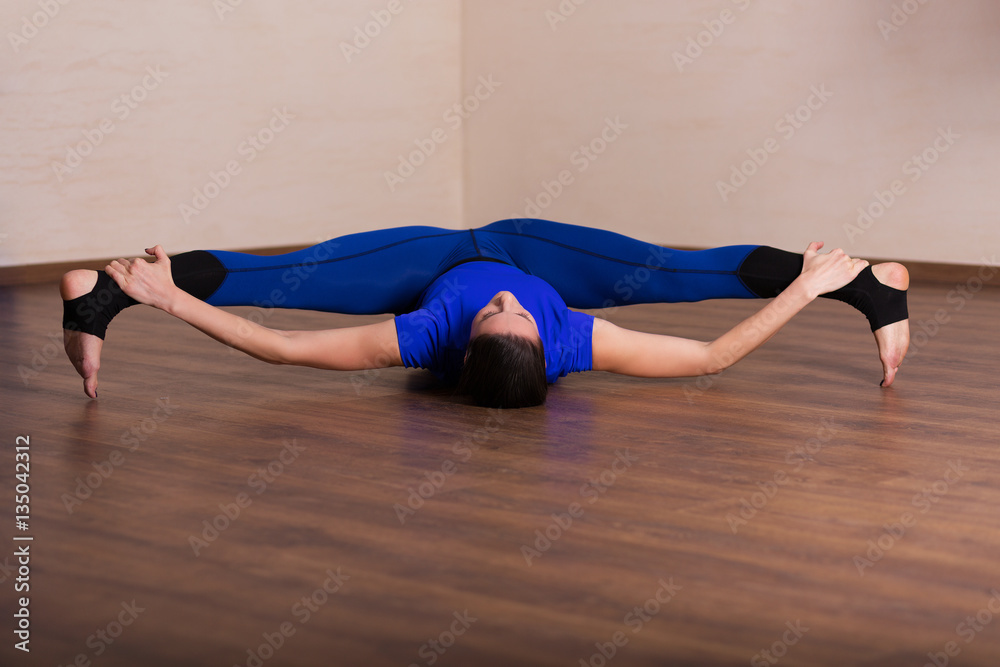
[788,505]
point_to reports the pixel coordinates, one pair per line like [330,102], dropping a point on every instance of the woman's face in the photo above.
[504,314]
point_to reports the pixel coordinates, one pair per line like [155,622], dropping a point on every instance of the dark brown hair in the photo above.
[504,371]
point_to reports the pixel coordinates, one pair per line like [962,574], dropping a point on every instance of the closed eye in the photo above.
[497,312]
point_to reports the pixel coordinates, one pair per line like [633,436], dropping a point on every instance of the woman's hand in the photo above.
[830,271]
[148,283]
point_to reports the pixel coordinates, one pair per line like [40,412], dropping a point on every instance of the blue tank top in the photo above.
[436,335]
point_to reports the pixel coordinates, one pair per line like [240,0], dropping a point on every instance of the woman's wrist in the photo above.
[802,286]
[170,301]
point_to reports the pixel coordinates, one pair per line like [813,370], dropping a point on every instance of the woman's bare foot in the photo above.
[893,339]
[83,349]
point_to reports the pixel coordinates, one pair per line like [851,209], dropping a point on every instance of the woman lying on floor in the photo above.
[487,308]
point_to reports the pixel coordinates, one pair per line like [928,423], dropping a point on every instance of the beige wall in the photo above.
[689,125]
[537,89]
[222,75]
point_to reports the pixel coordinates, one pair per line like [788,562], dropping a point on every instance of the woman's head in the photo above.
[505,361]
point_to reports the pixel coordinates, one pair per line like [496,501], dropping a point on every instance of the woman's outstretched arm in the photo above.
[619,350]
[348,349]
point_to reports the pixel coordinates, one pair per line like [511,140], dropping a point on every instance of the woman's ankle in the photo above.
[76,283]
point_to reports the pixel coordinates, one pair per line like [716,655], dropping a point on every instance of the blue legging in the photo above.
[386,271]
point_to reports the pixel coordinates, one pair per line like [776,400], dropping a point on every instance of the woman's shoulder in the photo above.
[571,348]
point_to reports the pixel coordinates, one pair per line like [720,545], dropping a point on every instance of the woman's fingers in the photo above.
[141,279]
[123,271]
[158,252]
[832,270]
[117,267]
[814,248]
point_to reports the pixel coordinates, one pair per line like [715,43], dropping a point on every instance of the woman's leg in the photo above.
[382,271]
[594,268]
[375,272]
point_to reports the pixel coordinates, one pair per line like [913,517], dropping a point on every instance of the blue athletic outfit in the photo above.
[436,335]
[435,280]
